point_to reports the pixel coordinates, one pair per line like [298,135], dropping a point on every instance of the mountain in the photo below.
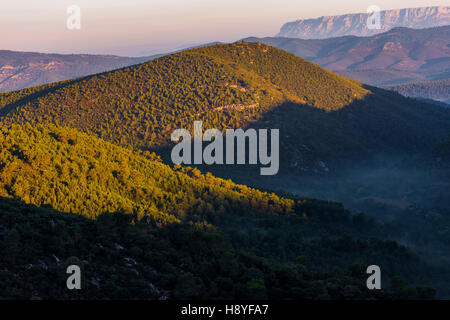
[397,56]
[327,122]
[20,70]
[356,24]
[161,232]
[437,90]
[331,128]
[227,85]
[324,118]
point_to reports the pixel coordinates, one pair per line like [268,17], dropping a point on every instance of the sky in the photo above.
[145,27]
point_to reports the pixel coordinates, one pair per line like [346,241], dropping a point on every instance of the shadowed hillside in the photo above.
[326,123]
[122,257]
[176,228]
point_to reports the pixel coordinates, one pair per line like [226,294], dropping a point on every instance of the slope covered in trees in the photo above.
[236,86]
[320,115]
[124,258]
[139,105]
[82,174]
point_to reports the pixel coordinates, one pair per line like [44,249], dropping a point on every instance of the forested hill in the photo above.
[235,86]
[83,174]
[136,108]
[224,85]
[175,232]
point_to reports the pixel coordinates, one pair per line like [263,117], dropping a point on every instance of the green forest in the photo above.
[81,174]
[85,179]
[141,105]
[122,257]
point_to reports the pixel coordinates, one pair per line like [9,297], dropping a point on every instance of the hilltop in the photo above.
[322,116]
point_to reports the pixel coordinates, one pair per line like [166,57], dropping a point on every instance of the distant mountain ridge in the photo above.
[396,56]
[20,70]
[356,24]
[437,90]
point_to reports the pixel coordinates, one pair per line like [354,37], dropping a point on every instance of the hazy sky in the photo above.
[142,27]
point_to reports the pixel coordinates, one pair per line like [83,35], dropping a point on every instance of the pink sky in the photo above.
[143,27]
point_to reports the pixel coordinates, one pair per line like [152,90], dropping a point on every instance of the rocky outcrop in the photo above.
[356,24]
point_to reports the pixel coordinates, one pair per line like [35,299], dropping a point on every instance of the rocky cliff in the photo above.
[356,24]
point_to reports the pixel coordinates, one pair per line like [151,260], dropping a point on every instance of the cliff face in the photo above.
[356,24]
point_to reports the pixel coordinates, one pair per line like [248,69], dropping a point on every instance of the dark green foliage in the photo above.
[85,175]
[122,257]
[206,237]
[443,150]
